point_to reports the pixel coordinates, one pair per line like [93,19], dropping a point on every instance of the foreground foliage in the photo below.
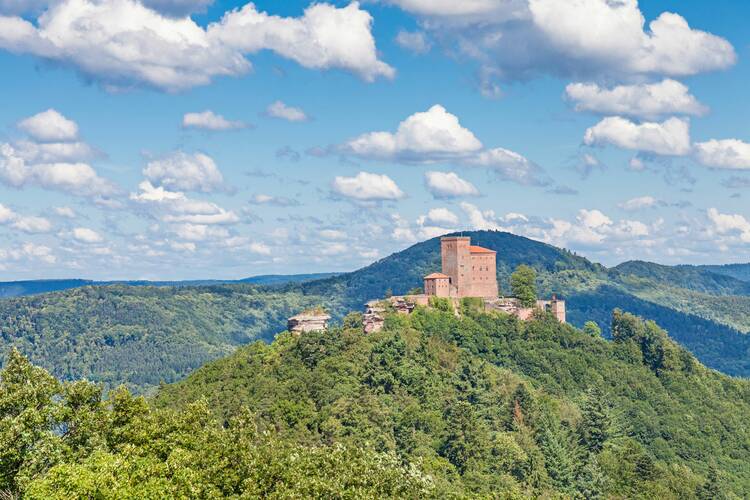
[485,404]
[62,441]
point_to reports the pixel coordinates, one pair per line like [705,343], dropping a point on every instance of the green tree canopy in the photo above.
[523,285]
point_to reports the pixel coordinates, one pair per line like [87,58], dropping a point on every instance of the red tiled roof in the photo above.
[476,249]
[436,276]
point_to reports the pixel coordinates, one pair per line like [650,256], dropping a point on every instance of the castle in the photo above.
[471,271]
[468,270]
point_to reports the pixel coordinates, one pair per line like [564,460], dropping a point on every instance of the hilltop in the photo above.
[146,335]
[486,403]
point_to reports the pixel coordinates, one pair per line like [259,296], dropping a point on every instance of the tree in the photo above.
[591,329]
[596,424]
[523,285]
[467,439]
[559,454]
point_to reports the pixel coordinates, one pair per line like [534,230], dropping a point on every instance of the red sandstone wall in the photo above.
[456,260]
[484,275]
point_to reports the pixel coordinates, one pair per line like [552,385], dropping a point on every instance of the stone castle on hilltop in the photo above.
[467,271]
[471,271]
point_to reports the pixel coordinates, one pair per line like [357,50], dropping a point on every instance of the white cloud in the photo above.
[208,120]
[190,172]
[260,248]
[65,212]
[509,165]
[367,187]
[75,178]
[25,223]
[176,207]
[182,246]
[481,220]
[28,251]
[726,153]
[54,152]
[448,185]
[332,234]
[86,235]
[437,217]
[593,218]
[671,137]
[592,39]
[30,224]
[730,223]
[668,97]
[200,232]
[279,201]
[426,136]
[436,136]
[122,42]
[638,203]
[49,126]
[415,41]
[280,110]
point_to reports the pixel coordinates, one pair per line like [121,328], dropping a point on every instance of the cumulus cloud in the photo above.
[437,136]
[86,235]
[208,120]
[176,207]
[510,165]
[439,216]
[481,219]
[52,159]
[671,137]
[189,172]
[431,135]
[122,43]
[366,187]
[448,185]
[414,41]
[283,111]
[66,212]
[668,97]
[26,223]
[28,251]
[639,203]
[730,224]
[75,178]
[49,126]
[726,153]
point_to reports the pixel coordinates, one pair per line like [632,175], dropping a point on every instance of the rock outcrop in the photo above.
[308,322]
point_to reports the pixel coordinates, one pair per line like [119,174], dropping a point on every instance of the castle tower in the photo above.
[456,262]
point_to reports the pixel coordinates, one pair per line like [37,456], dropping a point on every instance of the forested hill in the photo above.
[33,287]
[487,404]
[144,335]
[738,271]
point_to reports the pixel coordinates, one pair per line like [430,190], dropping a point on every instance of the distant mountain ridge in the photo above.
[737,271]
[32,287]
[142,335]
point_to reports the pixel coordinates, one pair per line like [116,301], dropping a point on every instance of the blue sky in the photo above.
[176,139]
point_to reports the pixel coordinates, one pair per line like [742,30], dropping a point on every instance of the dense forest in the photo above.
[145,335]
[434,406]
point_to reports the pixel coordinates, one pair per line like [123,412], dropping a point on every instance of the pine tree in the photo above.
[596,423]
[591,481]
[559,454]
